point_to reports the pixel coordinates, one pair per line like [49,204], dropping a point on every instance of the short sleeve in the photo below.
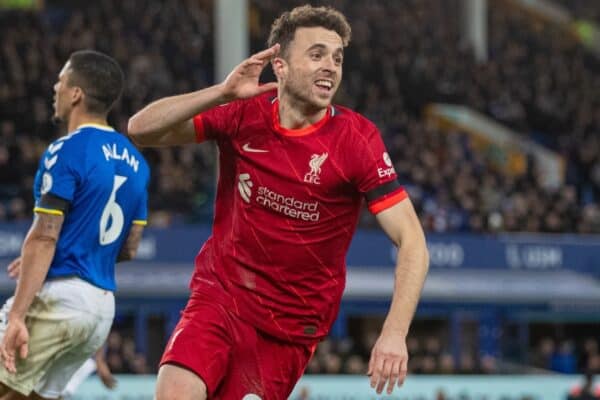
[58,174]
[218,122]
[141,213]
[375,176]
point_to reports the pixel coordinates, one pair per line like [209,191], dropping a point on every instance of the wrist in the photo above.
[224,95]
[395,328]
[16,315]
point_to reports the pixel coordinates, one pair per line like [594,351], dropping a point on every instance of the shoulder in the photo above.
[354,123]
[70,144]
[262,103]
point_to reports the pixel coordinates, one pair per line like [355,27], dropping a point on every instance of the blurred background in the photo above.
[490,110]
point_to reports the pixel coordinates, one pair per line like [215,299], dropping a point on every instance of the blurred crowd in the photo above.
[122,357]
[567,356]
[581,9]
[164,48]
[551,348]
[537,81]
[428,356]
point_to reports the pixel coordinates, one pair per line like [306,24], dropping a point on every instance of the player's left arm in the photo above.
[389,357]
[131,244]
[36,256]
[103,369]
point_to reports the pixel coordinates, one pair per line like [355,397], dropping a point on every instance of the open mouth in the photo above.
[324,86]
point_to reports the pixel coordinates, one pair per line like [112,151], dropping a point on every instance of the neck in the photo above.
[78,119]
[298,115]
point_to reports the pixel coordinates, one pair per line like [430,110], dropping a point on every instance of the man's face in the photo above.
[312,71]
[63,94]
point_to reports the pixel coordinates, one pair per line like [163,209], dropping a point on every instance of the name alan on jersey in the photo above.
[112,152]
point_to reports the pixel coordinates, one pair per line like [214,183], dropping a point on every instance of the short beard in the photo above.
[302,99]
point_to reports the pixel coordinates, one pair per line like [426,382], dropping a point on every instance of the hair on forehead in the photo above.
[284,28]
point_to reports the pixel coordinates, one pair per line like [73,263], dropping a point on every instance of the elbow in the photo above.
[40,240]
[425,258]
[135,131]
[133,128]
[422,245]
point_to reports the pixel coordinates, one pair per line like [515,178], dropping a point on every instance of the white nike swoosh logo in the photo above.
[246,147]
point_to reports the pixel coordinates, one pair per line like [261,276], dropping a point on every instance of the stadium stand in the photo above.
[429,66]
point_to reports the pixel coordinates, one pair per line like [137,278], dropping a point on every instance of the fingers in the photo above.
[14,268]
[403,371]
[24,350]
[8,359]
[15,341]
[267,87]
[376,370]
[394,375]
[109,381]
[387,370]
[112,383]
[267,54]
[384,376]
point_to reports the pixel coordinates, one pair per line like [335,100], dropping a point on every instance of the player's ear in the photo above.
[76,95]
[279,67]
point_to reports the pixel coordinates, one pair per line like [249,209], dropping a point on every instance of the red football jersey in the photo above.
[287,206]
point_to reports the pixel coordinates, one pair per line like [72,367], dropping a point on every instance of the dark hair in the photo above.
[307,16]
[100,78]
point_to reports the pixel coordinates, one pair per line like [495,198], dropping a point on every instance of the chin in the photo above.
[57,120]
[322,103]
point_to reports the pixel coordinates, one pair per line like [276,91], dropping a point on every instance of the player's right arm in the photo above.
[168,121]
[131,244]
[36,255]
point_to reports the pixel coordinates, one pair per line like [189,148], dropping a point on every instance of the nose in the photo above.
[329,63]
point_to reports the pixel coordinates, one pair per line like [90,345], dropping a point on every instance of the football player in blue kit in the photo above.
[90,209]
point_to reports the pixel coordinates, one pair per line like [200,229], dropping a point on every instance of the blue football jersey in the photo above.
[104,178]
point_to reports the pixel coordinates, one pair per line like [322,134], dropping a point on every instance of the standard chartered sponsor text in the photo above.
[288,205]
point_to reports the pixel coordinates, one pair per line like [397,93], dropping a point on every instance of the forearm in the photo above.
[159,117]
[37,254]
[131,244]
[411,269]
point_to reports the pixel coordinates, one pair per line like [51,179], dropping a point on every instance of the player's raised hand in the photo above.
[14,268]
[14,344]
[389,361]
[106,376]
[242,82]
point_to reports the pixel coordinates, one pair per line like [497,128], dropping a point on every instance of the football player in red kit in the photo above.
[294,171]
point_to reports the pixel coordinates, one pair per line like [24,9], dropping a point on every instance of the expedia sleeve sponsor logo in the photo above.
[288,205]
[389,171]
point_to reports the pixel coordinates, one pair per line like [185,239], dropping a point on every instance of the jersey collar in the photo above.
[302,131]
[96,126]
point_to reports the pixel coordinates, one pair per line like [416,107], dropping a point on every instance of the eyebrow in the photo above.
[321,46]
